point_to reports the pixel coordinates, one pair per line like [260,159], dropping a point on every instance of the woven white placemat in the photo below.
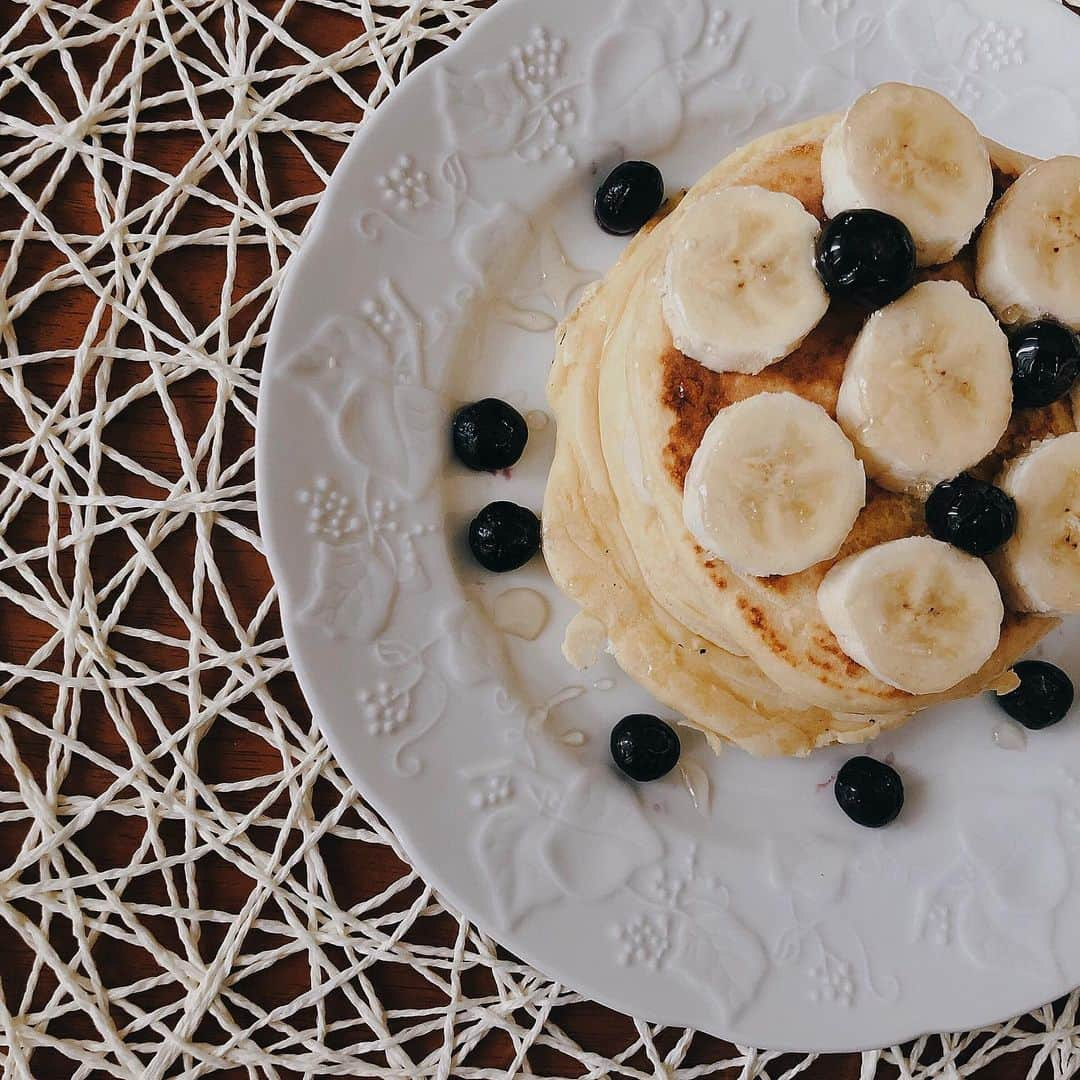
[170,735]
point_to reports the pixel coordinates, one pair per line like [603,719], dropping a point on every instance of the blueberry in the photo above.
[1043,698]
[645,748]
[629,198]
[504,537]
[866,256]
[1046,363]
[870,792]
[972,515]
[489,435]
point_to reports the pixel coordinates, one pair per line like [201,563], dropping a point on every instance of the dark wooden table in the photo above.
[58,321]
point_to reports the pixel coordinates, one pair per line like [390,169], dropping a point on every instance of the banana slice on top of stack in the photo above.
[911,153]
[1029,253]
[927,394]
[927,390]
[741,289]
[1041,562]
[919,614]
[775,486]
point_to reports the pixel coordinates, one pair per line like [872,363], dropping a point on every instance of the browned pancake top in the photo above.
[694,394]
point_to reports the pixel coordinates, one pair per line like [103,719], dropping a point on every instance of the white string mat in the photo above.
[154,752]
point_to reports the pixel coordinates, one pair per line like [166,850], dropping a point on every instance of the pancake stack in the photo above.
[711,368]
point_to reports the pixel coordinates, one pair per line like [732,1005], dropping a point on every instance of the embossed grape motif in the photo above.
[368,377]
[962,55]
[362,557]
[812,873]
[411,689]
[518,107]
[688,931]
[405,185]
[645,940]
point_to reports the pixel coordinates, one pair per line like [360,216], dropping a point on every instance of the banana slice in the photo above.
[927,390]
[919,614]
[775,486]
[741,291]
[1028,261]
[1041,563]
[911,153]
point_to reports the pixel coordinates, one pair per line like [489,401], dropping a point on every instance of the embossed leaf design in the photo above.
[789,948]
[474,647]
[1018,855]
[599,836]
[813,867]
[635,92]
[1015,878]
[704,64]
[826,26]
[507,848]
[370,432]
[412,574]
[820,90]
[817,26]
[428,699]
[325,367]
[494,249]
[392,429]
[681,21]
[420,418]
[406,672]
[454,175]
[723,956]
[866,29]
[395,653]
[990,944]
[354,589]
[1057,112]
[483,111]
[313,365]
[926,42]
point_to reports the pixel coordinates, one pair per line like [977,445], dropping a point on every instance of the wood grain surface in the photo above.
[227,753]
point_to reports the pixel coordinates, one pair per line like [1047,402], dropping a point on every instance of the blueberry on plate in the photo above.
[971,514]
[629,198]
[489,435]
[866,256]
[1046,363]
[1043,698]
[870,792]
[504,537]
[645,747]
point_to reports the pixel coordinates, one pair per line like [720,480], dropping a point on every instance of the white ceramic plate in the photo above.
[735,897]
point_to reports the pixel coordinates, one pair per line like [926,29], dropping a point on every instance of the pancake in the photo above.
[747,660]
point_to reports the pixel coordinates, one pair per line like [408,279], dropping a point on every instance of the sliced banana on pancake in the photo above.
[775,486]
[740,290]
[911,153]
[1028,261]
[927,389]
[919,614]
[1042,561]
